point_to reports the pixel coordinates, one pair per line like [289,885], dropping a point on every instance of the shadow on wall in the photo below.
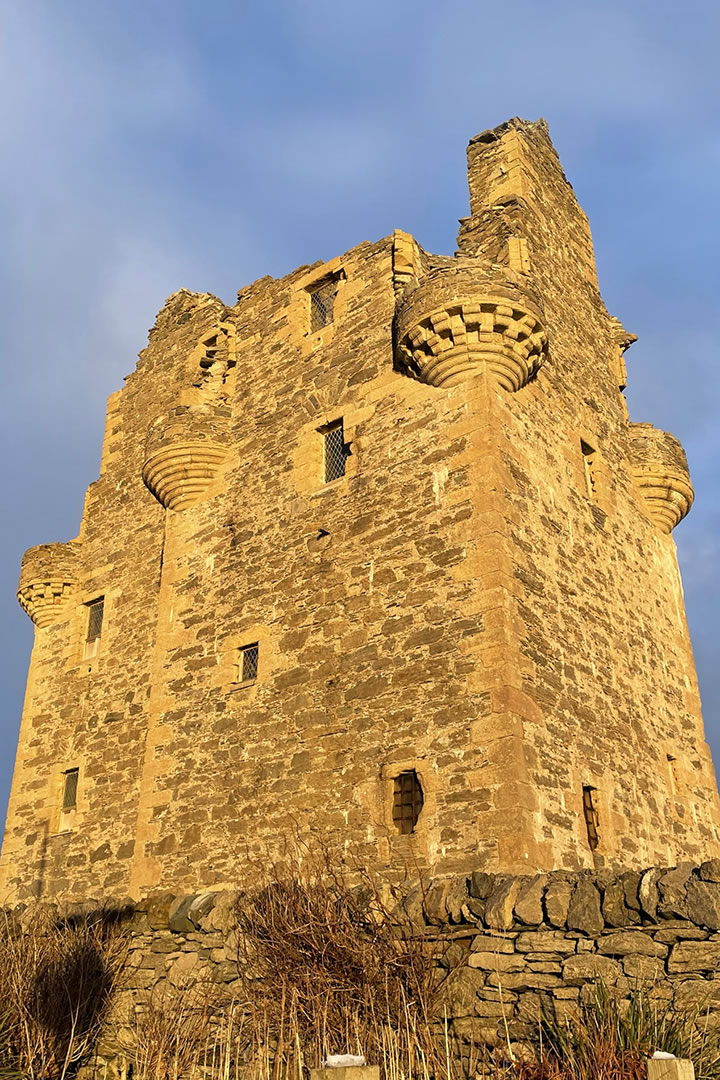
[58,979]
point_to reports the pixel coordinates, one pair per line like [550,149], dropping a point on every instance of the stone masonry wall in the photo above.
[514,948]
[483,599]
[594,595]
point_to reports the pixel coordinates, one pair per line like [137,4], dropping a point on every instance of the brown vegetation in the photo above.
[612,1039]
[57,978]
[182,1029]
[327,968]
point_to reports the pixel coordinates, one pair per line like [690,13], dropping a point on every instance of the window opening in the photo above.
[248,663]
[95,619]
[322,304]
[93,628]
[592,819]
[407,801]
[336,451]
[589,461]
[672,770]
[70,789]
[68,805]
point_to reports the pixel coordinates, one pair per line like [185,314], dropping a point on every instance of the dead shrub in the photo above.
[181,1030]
[58,977]
[328,967]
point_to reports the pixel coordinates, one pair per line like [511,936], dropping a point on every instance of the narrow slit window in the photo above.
[407,801]
[322,304]
[672,770]
[248,658]
[589,462]
[592,819]
[70,786]
[336,451]
[93,627]
[95,619]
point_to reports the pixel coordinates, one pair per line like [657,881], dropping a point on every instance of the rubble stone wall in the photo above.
[513,947]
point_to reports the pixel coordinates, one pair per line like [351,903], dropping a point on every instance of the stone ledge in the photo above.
[679,903]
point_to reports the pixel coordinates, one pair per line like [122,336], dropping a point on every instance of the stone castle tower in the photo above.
[374,554]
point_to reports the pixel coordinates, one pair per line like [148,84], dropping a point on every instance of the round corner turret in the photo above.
[661,474]
[184,451]
[48,581]
[461,321]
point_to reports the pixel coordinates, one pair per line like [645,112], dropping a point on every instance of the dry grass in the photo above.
[327,968]
[184,1030]
[58,977]
[612,1040]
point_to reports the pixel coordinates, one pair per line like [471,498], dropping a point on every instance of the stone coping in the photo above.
[586,902]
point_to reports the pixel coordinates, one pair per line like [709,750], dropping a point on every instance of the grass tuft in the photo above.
[612,1038]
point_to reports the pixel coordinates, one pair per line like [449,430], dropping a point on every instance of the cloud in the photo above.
[150,146]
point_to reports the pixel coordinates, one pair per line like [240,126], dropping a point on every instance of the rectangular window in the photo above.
[407,801]
[672,770]
[322,304]
[93,627]
[589,456]
[592,819]
[95,619]
[336,451]
[247,668]
[70,787]
[68,803]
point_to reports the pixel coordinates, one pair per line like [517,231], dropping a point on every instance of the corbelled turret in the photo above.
[48,580]
[463,320]
[660,470]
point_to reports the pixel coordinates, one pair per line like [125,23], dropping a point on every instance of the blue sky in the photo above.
[151,145]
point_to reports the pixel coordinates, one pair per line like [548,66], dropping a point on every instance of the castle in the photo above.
[375,555]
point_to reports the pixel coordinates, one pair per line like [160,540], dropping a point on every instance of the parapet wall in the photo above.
[513,947]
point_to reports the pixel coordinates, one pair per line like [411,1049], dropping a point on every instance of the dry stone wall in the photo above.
[514,948]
